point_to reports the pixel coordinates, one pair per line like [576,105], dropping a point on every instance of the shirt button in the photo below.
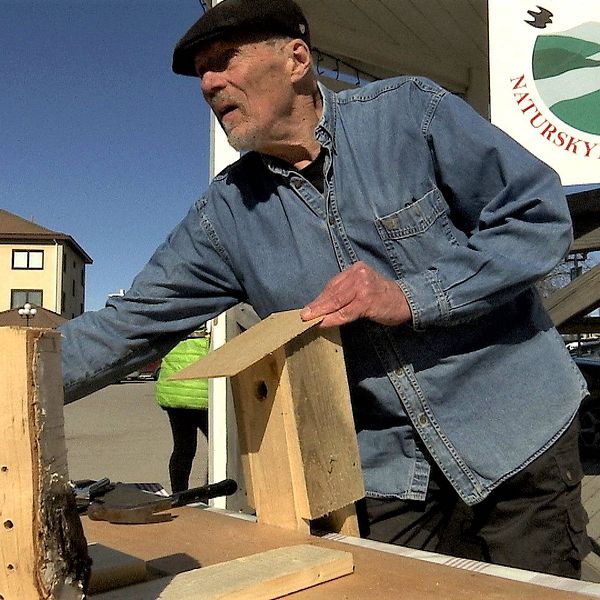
[423,419]
[569,475]
[331,220]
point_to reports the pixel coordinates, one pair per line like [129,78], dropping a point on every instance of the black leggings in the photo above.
[185,423]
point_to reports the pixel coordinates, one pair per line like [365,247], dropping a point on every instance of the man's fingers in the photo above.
[359,292]
[343,306]
[339,294]
[344,315]
[326,304]
[336,295]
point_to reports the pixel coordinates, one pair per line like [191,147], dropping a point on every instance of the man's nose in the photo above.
[211,82]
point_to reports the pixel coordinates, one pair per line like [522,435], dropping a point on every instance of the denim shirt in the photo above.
[426,192]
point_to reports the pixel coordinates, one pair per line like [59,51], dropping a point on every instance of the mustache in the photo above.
[222,99]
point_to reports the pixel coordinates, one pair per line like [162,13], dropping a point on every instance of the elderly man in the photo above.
[404,217]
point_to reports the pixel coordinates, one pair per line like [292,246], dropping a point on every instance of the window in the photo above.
[73,288]
[82,276]
[19,297]
[27,259]
[64,263]
[62,302]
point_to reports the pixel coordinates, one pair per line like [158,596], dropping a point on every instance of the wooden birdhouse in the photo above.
[294,418]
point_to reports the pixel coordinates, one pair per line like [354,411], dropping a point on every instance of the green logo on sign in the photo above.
[566,69]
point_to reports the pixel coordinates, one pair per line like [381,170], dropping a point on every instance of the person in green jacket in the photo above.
[186,403]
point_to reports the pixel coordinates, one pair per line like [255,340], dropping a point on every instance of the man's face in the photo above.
[247,86]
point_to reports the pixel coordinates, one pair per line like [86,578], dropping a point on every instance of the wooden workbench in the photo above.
[198,538]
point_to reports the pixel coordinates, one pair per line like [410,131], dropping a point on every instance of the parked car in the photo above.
[148,372]
[584,348]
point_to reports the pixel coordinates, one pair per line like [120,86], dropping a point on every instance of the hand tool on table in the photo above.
[130,505]
[86,490]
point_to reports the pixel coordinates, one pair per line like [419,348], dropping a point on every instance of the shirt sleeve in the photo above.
[511,207]
[188,281]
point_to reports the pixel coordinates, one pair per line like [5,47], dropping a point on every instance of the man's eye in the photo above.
[218,63]
[224,60]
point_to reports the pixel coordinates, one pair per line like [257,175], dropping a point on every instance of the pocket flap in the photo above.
[414,218]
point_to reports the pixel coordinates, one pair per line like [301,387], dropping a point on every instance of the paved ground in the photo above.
[121,433]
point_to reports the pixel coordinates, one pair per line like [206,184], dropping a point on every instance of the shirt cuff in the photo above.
[426,298]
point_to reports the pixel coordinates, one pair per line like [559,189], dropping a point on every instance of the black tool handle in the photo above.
[205,492]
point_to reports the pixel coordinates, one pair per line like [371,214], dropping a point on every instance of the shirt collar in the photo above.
[325,130]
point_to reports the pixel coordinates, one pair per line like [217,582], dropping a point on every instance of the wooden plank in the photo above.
[237,319]
[326,462]
[264,445]
[587,242]
[576,299]
[343,520]
[270,574]
[112,569]
[590,568]
[249,347]
[42,547]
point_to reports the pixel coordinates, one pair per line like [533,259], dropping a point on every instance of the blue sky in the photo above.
[99,139]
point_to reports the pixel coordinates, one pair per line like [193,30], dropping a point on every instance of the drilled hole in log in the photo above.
[8,524]
[3,469]
[261,390]
[10,567]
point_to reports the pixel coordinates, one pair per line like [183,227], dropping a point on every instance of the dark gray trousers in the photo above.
[534,520]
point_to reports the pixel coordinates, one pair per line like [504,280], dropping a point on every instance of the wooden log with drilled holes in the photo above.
[42,546]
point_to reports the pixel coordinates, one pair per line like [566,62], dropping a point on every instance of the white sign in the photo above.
[545,81]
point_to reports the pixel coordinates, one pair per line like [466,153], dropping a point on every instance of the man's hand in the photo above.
[359,292]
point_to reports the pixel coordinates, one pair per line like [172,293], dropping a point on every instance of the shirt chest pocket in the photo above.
[417,234]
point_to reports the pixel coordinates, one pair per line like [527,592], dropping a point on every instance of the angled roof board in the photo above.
[249,347]
[15,229]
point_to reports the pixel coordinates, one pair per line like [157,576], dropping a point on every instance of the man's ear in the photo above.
[301,59]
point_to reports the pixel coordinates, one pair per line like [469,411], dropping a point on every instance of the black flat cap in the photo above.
[282,17]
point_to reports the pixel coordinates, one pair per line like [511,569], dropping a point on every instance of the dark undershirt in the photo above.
[314,172]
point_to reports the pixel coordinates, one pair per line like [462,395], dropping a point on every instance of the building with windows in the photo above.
[43,267]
